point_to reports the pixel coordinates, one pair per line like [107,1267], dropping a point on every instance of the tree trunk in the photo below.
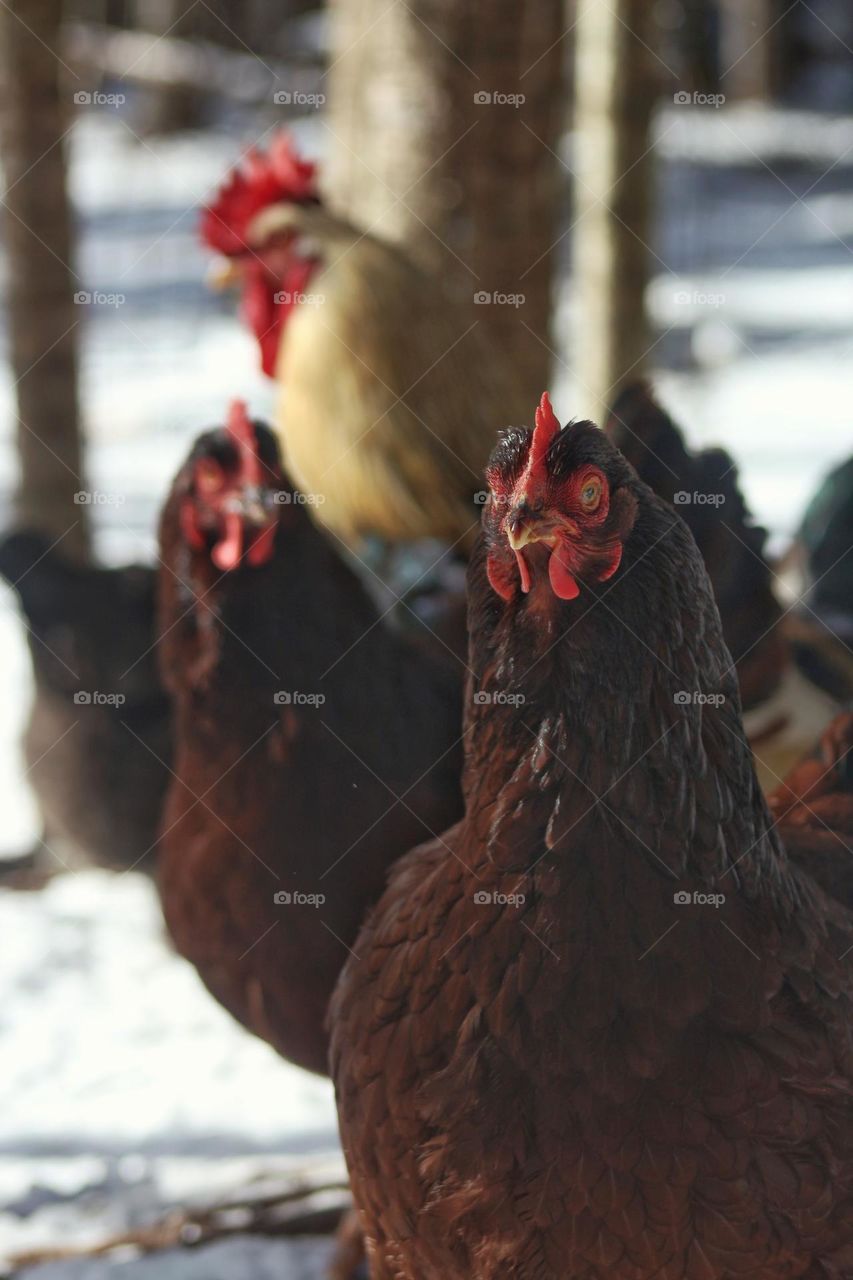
[615,89]
[747,44]
[445,122]
[42,316]
[174,107]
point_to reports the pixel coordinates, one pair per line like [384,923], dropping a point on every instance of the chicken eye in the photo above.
[209,477]
[591,493]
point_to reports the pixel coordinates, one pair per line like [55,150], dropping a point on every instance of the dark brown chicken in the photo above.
[313,744]
[602,1029]
[820,550]
[814,810]
[777,657]
[98,740]
[704,486]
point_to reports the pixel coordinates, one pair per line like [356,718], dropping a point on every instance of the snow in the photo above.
[90,947]
[20,818]
[126,1090]
[243,1259]
[745,132]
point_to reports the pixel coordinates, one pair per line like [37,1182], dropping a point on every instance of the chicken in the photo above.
[313,743]
[822,547]
[98,741]
[389,391]
[790,679]
[600,1029]
[813,809]
[732,545]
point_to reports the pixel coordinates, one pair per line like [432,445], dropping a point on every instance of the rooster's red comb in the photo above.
[546,428]
[242,433]
[261,179]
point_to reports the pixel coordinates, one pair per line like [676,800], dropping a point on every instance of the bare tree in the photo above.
[615,88]
[174,106]
[42,316]
[445,122]
[747,47]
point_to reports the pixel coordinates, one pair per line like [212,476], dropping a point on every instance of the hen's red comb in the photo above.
[546,428]
[231,547]
[242,432]
[262,178]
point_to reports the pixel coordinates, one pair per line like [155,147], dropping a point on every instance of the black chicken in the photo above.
[791,678]
[98,741]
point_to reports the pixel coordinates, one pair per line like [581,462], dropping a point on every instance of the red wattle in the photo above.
[612,564]
[262,548]
[524,572]
[226,554]
[262,314]
[267,306]
[563,583]
[498,581]
[193,536]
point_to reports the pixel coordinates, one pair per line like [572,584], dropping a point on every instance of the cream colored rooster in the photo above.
[389,391]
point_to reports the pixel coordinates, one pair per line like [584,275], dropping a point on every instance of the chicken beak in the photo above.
[223,274]
[256,513]
[249,505]
[519,533]
[523,526]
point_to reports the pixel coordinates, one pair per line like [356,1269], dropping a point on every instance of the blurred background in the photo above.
[616,189]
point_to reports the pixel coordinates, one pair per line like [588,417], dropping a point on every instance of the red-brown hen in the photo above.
[602,1029]
[313,744]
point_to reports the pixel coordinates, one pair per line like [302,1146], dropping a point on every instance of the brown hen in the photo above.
[313,745]
[602,1029]
[813,809]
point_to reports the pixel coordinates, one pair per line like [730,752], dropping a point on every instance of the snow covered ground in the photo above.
[126,1090]
[246,1258]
